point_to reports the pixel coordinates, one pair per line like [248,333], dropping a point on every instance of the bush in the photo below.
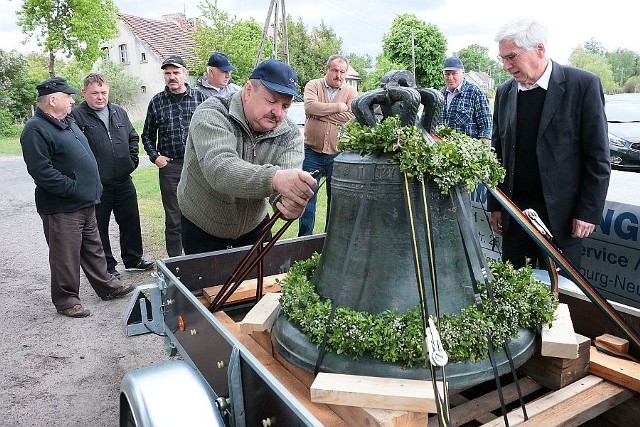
[8,127]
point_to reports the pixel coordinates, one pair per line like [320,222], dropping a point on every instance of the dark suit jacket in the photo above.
[572,148]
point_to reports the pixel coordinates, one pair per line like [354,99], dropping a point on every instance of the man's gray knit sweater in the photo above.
[226,179]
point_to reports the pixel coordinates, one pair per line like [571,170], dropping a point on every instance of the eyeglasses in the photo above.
[512,57]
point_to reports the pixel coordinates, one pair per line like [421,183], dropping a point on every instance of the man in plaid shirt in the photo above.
[164,136]
[466,107]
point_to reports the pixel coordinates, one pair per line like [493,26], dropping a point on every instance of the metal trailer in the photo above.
[217,382]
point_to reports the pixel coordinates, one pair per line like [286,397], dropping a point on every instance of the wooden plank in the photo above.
[374,392]
[262,316]
[246,291]
[301,392]
[480,408]
[557,372]
[582,407]
[559,338]
[548,401]
[620,371]
[370,417]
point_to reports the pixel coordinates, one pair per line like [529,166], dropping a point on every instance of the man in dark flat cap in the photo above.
[60,161]
[217,81]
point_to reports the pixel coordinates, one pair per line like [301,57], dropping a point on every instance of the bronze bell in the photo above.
[367,264]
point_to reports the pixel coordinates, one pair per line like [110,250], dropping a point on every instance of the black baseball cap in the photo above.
[453,64]
[55,84]
[277,77]
[174,60]
[221,61]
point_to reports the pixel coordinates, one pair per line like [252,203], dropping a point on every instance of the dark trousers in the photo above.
[324,164]
[517,245]
[169,178]
[197,241]
[74,243]
[122,200]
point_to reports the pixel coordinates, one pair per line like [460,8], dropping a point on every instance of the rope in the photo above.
[442,399]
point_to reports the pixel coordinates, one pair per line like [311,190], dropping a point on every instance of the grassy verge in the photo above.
[150,202]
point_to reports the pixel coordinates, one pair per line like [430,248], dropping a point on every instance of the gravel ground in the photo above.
[57,371]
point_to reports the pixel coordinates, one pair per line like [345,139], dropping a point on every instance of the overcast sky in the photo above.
[361,24]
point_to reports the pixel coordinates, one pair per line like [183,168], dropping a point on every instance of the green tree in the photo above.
[16,88]
[476,58]
[623,64]
[238,39]
[71,27]
[594,47]
[429,45]
[122,86]
[596,64]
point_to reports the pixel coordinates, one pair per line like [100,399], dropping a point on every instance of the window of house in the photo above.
[105,53]
[143,57]
[124,58]
[143,89]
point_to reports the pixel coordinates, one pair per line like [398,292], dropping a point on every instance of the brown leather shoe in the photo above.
[118,292]
[75,311]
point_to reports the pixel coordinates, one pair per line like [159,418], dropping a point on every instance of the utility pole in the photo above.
[273,12]
[413,52]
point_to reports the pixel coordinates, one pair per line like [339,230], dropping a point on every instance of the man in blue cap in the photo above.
[466,107]
[217,81]
[241,152]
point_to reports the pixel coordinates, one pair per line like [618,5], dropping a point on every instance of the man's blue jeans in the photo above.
[324,163]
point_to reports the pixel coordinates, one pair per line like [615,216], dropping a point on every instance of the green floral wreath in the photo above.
[520,302]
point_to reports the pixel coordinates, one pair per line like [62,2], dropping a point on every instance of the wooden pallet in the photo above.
[576,398]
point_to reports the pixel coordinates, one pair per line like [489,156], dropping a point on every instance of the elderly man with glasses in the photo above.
[550,133]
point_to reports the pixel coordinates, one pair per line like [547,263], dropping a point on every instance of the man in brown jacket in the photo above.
[327,104]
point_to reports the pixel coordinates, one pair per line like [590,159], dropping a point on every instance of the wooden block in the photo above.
[620,371]
[246,291]
[556,372]
[578,409]
[613,343]
[374,392]
[559,339]
[262,316]
[370,417]
[299,391]
[548,401]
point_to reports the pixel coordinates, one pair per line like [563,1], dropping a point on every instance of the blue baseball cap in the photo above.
[221,61]
[453,64]
[277,77]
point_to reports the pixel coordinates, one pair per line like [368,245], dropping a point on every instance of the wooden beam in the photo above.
[620,371]
[370,417]
[374,392]
[246,291]
[301,392]
[548,401]
[582,407]
[559,338]
[262,316]
[556,372]
[481,407]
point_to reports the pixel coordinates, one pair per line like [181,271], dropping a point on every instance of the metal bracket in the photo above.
[144,313]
